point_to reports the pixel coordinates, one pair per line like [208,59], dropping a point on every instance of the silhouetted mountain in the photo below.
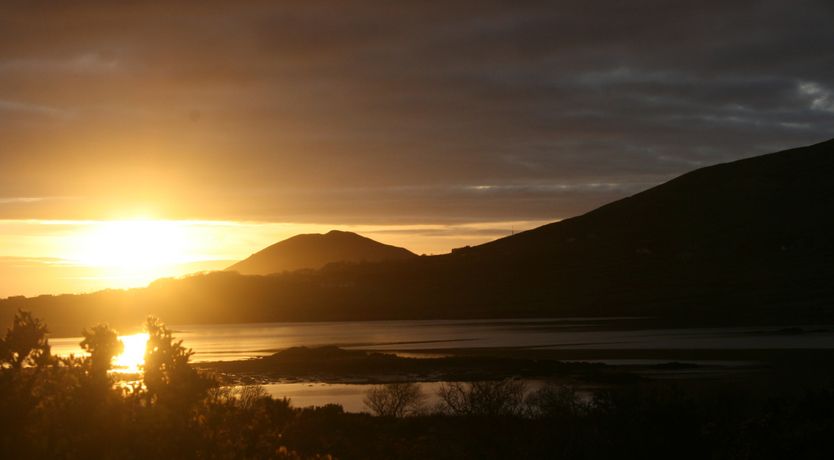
[751,240]
[741,236]
[314,251]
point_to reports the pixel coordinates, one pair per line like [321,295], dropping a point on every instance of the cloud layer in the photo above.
[393,112]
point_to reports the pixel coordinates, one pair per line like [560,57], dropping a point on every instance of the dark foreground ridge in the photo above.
[738,243]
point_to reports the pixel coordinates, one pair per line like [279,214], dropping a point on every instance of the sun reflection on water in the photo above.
[133,356]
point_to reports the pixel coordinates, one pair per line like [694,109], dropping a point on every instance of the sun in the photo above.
[136,245]
[133,356]
[131,253]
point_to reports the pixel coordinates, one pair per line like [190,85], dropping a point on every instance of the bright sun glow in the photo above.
[133,356]
[130,253]
[133,244]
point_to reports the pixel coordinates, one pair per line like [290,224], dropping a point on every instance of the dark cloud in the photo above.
[395,111]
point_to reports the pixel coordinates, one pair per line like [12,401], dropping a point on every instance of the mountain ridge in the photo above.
[739,242]
[820,154]
[315,250]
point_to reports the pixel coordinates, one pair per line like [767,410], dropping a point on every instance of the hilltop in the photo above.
[314,251]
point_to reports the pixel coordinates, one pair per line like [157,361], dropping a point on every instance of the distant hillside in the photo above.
[741,242]
[314,251]
[750,237]
[771,204]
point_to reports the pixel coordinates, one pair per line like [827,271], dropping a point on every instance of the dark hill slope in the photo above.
[314,251]
[778,202]
[741,236]
[740,241]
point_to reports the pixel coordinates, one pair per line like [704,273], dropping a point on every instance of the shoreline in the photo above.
[331,364]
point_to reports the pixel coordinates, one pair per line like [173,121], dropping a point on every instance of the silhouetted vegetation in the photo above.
[396,399]
[25,342]
[103,344]
[483,398]
[54,407]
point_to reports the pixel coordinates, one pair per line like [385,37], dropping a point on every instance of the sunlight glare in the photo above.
[132,253]
[133,356]
[133,244]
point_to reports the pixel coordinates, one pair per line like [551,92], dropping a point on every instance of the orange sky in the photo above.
[68,256]
[418,125]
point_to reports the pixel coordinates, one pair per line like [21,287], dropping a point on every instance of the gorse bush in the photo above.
[70,407]
[25,343]
[103,344]
[168,377]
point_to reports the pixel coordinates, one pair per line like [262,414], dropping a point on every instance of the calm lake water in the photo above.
[226,342]
[349,396]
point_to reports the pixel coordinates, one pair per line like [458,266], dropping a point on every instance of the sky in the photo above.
[422,124]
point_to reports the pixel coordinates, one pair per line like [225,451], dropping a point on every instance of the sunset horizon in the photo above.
[77,256]
[416,230]
[247,128]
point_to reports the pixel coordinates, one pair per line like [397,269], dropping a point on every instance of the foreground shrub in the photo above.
[553,400]
[65,408]
[486,398]
[395,399]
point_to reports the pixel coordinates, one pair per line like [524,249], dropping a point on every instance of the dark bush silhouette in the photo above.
[25,343]
[168,376]
[552,400]
[489,398]
[395,399]
[103,344]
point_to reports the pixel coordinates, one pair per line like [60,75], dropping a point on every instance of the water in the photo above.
[225,342]
[350,396]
